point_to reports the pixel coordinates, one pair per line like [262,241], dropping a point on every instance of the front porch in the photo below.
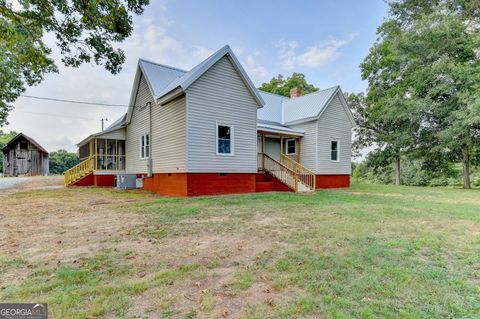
[279,155]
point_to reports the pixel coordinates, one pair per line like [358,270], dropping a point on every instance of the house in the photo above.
[210,131]
[22,155]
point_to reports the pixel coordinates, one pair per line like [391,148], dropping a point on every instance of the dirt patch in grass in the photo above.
[364,253]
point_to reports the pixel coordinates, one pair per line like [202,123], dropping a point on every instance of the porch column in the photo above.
[299,149]
[281,146]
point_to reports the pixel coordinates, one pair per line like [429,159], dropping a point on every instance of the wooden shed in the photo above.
[24,156]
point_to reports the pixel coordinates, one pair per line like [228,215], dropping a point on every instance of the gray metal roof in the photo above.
[159,76]
[163,80]
[277,128]
[273,108]
[284,110]
[118,124]
[307,106]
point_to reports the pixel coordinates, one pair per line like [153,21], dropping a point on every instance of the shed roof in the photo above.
[17,138]
[278,128]
[118,124]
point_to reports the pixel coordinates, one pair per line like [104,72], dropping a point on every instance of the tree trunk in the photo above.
[466,168]
[397,171]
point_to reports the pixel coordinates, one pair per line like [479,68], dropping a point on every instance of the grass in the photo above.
[371,251]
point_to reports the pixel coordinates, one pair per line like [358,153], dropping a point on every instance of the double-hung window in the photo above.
[291,147]
[144,146]
[334,147]
[224,139]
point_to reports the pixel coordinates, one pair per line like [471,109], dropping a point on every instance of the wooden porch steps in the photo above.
[79,171]
[289,172]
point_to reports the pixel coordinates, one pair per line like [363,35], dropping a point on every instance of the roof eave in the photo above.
[178,91]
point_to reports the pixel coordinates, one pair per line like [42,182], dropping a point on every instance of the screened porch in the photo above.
[107,154]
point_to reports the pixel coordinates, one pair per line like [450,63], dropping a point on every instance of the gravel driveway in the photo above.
[7,182]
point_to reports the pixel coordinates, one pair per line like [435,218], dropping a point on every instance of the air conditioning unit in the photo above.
[126,181]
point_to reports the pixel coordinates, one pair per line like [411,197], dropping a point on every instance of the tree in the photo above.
[445,36]
[61,160]
[426,61]
[279,85]
[4,139]
[84,30]
[387,124]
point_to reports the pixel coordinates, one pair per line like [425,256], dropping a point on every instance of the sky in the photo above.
[324,39]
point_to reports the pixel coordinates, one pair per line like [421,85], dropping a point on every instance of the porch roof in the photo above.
[118,124]
[278,129]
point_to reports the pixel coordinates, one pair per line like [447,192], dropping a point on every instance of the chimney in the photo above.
[295,92]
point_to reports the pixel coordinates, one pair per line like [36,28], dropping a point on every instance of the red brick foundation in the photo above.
[104,180]
[332,181]
[96,180]
[170,184]
[196,184]
[86,181]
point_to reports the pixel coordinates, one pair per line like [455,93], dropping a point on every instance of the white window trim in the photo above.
[286,146]
[232,138]
[338,151]
[147,156]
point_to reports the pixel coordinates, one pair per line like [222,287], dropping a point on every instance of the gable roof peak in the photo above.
[161,65]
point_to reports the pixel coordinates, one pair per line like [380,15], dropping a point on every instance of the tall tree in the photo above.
[85,31]
[280,85]
[387,125]
[427,55]
[61,160]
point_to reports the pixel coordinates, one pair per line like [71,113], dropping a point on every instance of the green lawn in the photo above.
[367,252]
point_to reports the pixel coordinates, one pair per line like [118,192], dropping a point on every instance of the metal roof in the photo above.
[159,76]
[185,80]
[273,109]
[277,128]
[284,110]
[118,124]
[307,106]
[28,138]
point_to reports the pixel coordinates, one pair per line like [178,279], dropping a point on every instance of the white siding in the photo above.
[220,95]
[114,135]
[334,124]
[138,126]
[308,144]
[169,137]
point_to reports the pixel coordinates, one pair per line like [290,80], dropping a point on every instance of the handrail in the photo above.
[73,174]
[280,171]
[306,175]
[294,164]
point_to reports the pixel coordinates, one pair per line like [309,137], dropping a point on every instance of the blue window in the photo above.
[224,140]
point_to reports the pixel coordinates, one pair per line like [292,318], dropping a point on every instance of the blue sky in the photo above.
[325,40]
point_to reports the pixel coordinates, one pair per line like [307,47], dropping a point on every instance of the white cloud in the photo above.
[315,56]
[254,69]
[56,125]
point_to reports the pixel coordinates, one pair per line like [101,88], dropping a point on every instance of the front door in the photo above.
[272,147]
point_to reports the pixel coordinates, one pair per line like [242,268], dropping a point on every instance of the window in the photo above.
[224,139]
[23,145]
[291,147]
[144,146]
[334,151]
